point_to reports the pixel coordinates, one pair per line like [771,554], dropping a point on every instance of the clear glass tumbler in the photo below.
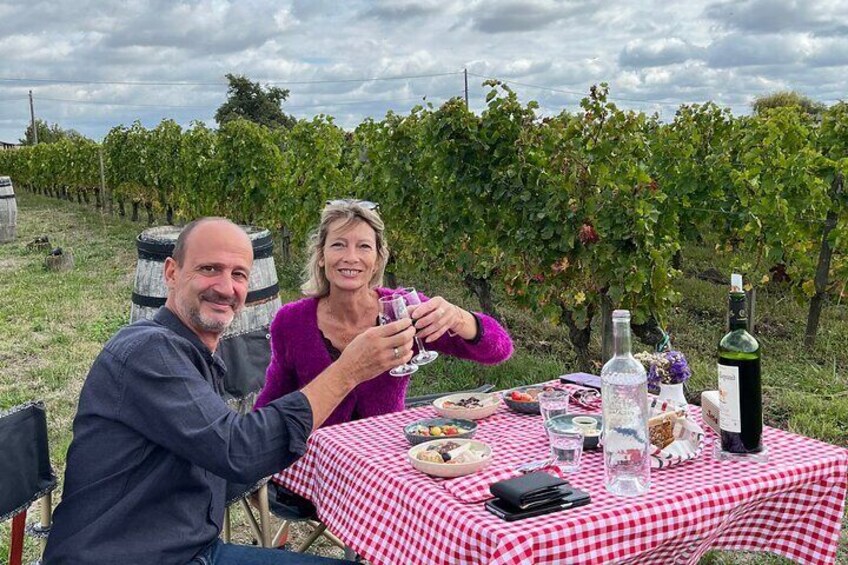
[553,403]
[566,441]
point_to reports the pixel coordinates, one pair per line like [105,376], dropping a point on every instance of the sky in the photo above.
[94,65]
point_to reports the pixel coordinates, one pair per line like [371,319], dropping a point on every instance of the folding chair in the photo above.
[26,472]
[239,494]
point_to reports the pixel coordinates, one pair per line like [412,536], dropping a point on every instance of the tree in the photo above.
[49,134]
[248,100]
[785,98]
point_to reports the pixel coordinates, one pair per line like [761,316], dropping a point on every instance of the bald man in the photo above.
[154,444]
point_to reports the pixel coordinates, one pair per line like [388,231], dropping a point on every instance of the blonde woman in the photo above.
[348,254]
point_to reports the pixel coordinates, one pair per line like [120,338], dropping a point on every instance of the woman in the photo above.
[348,255]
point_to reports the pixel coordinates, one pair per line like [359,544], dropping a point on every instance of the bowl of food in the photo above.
[449,458]
[524,399]
[591,426]
[467,405]
[438,428]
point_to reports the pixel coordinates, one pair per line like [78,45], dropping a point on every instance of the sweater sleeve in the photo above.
[493,346]
[280,375]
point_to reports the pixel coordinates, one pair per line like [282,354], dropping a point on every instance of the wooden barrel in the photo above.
[245,346]
[8,210]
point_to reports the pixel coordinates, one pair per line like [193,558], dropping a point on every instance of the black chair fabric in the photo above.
[24,458]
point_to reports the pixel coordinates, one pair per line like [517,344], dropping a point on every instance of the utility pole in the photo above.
[465,74]
[32,120]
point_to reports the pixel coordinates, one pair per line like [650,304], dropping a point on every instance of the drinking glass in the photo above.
[410,296]
[553,403]
[566,441]
[392,309]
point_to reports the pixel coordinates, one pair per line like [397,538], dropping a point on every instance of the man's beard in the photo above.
[212,325]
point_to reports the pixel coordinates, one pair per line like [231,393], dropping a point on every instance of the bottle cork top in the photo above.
[736,282]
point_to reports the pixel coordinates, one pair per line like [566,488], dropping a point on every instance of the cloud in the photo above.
[656,53]
[515,16]
[829,52]
[398,11]
[737,50]
[217,28]
[824,17]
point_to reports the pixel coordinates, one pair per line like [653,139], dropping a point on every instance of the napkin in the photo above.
[475,488]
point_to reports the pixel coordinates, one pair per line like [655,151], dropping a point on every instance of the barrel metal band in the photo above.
[254,296]
[4,196]
[147,301]
[263,293]
[156,251]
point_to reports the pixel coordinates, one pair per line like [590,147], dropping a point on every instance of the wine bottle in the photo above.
[739,381]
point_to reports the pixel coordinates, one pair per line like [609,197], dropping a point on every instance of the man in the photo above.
[154,444]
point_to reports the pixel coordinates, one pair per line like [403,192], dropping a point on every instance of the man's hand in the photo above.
[378,349]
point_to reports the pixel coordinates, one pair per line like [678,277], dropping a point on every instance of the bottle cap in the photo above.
[736,282]
[620,314]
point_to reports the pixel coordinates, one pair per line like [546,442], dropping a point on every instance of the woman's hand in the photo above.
[378,349]
[437,316]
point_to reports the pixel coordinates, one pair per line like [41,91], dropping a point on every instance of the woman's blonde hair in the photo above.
[350,211]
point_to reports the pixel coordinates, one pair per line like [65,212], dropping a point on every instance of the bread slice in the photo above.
[661,429]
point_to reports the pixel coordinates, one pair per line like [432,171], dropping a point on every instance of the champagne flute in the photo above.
[410,296]
[392,309]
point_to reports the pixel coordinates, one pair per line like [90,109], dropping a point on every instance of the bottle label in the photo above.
[730,419]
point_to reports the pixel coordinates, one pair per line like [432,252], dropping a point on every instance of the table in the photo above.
[367,494]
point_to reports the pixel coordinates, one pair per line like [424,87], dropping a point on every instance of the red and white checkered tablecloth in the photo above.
[366,492]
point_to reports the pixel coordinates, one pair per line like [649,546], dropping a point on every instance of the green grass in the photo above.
[52,325]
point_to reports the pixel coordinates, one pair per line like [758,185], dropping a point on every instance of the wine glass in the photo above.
[392,309]
[410,296]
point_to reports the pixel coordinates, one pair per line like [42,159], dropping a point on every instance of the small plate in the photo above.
[415,438]
[589,441]
[487,404]
[451,470]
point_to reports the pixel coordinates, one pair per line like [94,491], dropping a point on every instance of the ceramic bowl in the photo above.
[414,437]
[590,441]
[523,406]
[482,405]
[451,470]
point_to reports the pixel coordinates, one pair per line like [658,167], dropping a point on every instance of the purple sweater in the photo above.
[299,354]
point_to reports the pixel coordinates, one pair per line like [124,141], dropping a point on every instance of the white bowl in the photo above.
[451,470]
[490,402]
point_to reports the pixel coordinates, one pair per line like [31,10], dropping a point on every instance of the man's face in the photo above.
[210,287]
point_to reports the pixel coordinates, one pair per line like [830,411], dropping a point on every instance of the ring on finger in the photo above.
[396,351]
[440,312]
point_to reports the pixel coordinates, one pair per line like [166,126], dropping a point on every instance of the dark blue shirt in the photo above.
[154,445]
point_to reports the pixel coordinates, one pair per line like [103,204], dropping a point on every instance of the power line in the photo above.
[285,107]
[104,103]
[221,83]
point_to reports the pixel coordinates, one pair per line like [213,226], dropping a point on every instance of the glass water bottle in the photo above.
[624,394]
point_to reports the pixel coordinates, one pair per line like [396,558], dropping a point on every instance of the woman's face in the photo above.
[349,255]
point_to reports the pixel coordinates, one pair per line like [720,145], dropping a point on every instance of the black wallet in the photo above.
[532,489]
[506,511]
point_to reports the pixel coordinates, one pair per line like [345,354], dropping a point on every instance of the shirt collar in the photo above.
[171,321]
